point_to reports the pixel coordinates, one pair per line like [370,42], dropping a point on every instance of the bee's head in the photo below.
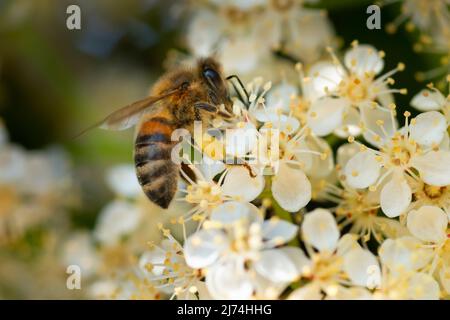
[211,74]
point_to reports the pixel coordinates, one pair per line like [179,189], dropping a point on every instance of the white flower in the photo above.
[165,266]
[303,33]
[358,207]
[432,99]
[79,250]
[426,250]
[122,180]
[425,16]
[238,251]
[291,188]
[332,260]
[320,230]
[344,88]
[410,147]
[245,33]
[203,32]
[117,219]
[428,224]
[425,194]
[278,100]
[242,5]
[233,59]
[205,193]
[13,164]
[404,253]
[407,286]
[34,185]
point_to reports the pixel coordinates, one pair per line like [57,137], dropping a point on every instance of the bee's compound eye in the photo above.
[212,76]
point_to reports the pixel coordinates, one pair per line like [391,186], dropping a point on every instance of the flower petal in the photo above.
[350,124]
[315,166]
[210,168]
[117,219]
[434,167]
[149,258]
[444,277]
[279,98]
[203,33]
[291,188]
[326,115]
[308,292]
[240,141]
[204,247]
[345,152]
[241,186]
[79,250]
[362,268]
[279,231]
[370,116]
[427,100]
[228,280]
[325,76]
[429,223]
[395,197]
[276,266]
[362,59]
[319,229]
[298,257]
[233,211]
[122,179]
[347,243]
[428,128]
[422,286]
[13,161]
[404,253]
[362,170]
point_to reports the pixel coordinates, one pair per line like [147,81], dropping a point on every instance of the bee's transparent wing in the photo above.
[129,115]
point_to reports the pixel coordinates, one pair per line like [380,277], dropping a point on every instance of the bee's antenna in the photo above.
[241,98]
[241,85]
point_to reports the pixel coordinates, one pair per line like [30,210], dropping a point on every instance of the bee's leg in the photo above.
[248,167]
[250,171]
[188,172]
[213,109]
[206,106]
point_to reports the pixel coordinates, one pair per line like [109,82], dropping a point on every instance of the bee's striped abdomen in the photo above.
[156,172]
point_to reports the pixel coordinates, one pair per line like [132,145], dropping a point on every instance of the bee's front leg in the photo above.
[213,109]
[206,106]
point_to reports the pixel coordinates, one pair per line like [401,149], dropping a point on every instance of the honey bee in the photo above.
[176,100]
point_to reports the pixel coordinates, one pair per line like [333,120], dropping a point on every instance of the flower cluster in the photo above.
[289,219]
[431,20]
[280,205]
[34,186]
[248,34]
